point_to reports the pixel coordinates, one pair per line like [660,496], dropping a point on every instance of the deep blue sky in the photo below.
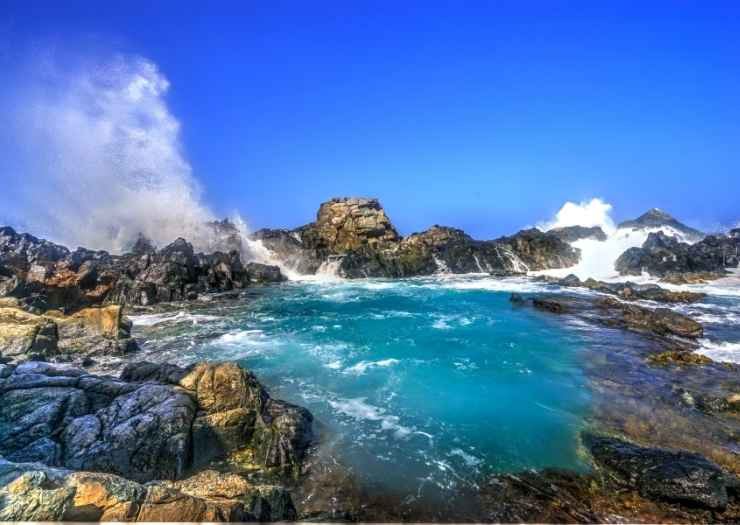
[486,116]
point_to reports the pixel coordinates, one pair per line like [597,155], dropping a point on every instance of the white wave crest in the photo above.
[720,351]
[363,366]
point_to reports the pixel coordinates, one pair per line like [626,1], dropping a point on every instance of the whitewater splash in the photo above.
[598,257]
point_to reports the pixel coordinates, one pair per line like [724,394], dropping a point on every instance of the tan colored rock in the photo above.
[106,321]
[347,224]
[23,333]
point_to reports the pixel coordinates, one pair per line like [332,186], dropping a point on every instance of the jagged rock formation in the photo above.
[47,276]
[656,218]
[157,423]
[663,255]
[576,233]
[357,236]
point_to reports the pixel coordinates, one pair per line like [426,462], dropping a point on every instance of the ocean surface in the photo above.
[421,385]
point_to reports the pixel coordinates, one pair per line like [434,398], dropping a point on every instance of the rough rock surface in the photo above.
[633,484]
[674,476]
[36,492]
[609,311]
[156,422]
[665,256]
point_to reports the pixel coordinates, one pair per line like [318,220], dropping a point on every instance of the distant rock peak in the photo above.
[656,218]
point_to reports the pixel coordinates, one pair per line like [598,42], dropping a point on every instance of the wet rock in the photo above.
[263,273]
[679,357]
[287,246]
[661,321]
[674,476]
[630,291]
[549,305]
[691,277]
[539,250]
[576,233]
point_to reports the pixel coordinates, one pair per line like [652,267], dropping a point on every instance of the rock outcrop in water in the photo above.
[628,291]
[665,256]
[656,218]
[632,484]
[358,239]
[577,233]
[78,446]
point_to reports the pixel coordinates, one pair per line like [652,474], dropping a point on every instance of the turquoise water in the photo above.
[418,385]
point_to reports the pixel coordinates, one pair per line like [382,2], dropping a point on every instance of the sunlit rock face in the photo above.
[346,224]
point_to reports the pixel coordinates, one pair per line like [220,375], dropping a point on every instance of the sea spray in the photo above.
[598,257]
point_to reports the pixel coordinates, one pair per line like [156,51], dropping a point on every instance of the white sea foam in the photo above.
[179,317]
[598,257]
[469,459]
[720,351]
[363,366]
[359,409]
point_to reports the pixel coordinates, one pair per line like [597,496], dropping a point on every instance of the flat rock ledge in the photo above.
[80,446]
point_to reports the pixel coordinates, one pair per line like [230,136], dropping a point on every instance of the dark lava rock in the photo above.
[549,305]
[674,476]
[576,233]
[663,255]
[630,291]
[263,273]
[661,321]
[656,218]
[45,276]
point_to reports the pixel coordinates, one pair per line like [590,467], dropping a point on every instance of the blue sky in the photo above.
[486,116]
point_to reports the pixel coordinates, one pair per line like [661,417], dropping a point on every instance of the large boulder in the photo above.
[90,332]
[667,475]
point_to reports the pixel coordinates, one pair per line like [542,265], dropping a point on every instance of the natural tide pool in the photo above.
[418,385]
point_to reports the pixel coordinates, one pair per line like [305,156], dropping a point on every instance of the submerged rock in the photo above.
[667,475]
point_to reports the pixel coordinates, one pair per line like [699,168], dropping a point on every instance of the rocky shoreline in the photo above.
[159,442]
